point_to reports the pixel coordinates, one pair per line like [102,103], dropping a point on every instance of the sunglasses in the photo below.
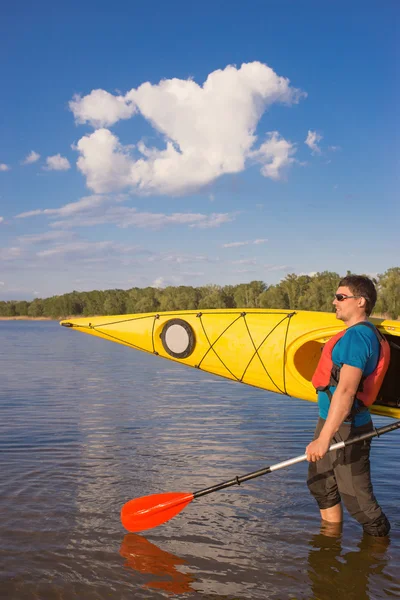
[341,297]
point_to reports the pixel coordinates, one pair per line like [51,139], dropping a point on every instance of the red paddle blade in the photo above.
[150,511]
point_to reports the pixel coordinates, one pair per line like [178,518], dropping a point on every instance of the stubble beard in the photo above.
[340,318]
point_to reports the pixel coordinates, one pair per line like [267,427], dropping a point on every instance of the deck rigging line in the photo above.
[286,317]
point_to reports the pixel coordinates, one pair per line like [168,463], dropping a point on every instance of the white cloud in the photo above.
[125,217]
[104,161]
[57,163]
[243,271]
[31,158]
[86,248]
[235,244]
[213,220]
[182,258]
[1,219]
[10,253]
[271,268]
[162,282]
[192,273]
[85,204]
[92,251]
[85,252]
[277,154]
[208,131]
[309,274]
[101,109]
[312,140]
[91,211]
[4,167]
[239,244]
[158,283]
[30,213]
[42,238]
[245,261]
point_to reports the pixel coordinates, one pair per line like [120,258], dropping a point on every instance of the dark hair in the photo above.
[360,285]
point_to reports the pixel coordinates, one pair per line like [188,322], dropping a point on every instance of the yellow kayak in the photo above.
[276,350]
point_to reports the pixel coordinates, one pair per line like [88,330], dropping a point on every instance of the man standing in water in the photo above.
[350,367]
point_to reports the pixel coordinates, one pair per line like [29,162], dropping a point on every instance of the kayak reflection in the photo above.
[337,574]
[145,557]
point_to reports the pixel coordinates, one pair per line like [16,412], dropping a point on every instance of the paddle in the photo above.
[149,511]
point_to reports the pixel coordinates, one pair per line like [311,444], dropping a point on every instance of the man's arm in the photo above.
[341,404]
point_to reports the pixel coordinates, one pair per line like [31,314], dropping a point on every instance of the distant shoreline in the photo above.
[376,316]
[27,319]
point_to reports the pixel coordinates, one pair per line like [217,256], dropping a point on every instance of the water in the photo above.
[86,425]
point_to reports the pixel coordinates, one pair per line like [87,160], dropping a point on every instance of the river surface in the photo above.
[86,425]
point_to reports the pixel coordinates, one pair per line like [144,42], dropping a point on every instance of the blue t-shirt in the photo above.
[359,347]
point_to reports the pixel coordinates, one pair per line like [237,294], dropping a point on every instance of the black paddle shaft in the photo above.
[238,480]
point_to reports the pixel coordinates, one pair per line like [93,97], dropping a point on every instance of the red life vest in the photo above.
[327,373]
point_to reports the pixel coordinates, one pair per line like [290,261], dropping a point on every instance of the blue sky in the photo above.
[191,143]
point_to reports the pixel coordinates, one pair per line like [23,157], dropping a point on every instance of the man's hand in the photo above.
[317,449]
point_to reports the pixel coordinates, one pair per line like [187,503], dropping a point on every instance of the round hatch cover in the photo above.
[178,338]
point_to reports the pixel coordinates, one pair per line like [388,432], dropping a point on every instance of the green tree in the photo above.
[132,297]
[212,296]
[295,286]
[178,298]
[274,297]
[21,308]
[93,303]
[389,293]
[11,309]
[247,295]
[36,308]
[76,303]
[148,301]
[229,296]
[293,292]
[320,292]
[114,302]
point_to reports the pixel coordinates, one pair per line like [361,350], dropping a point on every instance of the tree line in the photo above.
[300,292]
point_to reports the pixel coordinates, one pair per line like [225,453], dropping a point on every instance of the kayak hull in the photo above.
[276,350]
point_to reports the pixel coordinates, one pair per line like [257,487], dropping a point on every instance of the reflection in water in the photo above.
[145,557]
[334,574]
[86,426]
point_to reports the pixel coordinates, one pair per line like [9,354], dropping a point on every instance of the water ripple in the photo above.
[86,425]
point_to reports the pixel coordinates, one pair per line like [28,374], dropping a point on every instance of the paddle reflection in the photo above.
[144,557]
[337,574]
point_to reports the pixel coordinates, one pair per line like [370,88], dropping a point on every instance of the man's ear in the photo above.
[362,302]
